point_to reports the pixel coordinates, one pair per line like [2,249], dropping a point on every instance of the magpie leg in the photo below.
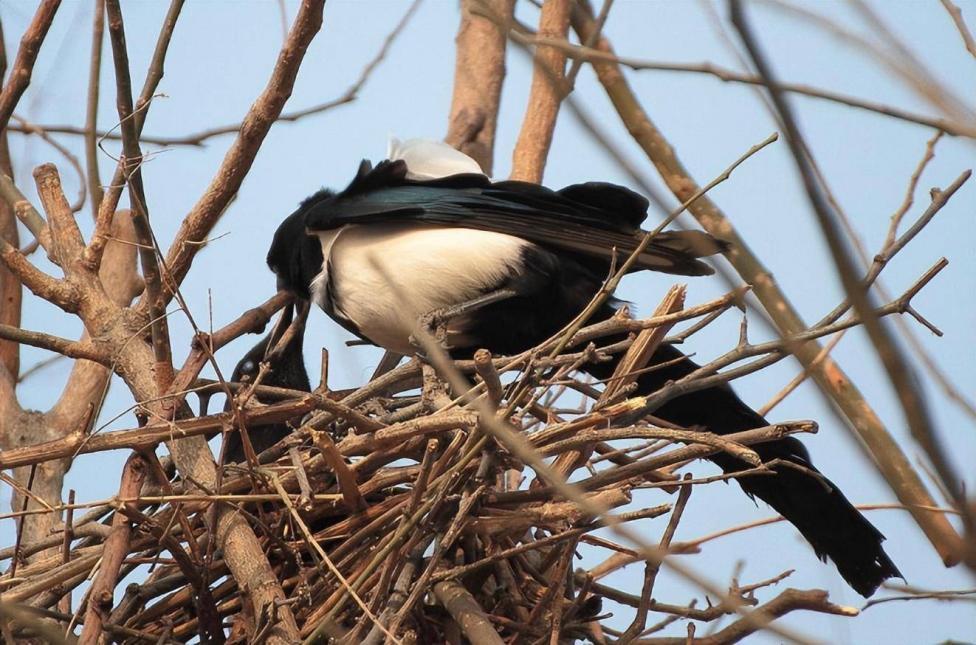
[435,322]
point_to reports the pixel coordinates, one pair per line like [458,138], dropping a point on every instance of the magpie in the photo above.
[286,370]
[512,263]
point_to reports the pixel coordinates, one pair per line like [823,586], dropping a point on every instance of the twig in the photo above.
[30,44]
[956,14]
[594,55]
[787,601]
[91,107]
[651,569]
[115,549]
[466,612]
[694,544]
[131,165]
[110,199]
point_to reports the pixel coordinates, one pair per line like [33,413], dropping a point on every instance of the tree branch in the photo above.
[479,71]
[30,45]
[548,90]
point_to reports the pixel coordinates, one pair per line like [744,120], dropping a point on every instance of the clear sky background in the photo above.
[221,56]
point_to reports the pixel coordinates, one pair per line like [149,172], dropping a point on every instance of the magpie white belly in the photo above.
[385,277]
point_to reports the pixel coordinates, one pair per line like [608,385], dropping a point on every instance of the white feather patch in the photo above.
[429,159]
[387,276]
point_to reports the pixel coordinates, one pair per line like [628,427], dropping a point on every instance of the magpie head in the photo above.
[288,365]
[294,256]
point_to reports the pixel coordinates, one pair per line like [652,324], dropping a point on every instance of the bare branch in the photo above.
[478,75]
[548,90]
[956,14]
[30,45]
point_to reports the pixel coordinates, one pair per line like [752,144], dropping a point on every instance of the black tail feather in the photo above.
[812,503]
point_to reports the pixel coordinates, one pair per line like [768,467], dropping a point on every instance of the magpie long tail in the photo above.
[815,506]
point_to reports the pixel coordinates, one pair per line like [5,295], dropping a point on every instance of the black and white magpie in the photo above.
[426,231]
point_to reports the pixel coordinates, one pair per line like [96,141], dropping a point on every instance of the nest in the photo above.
[429,505]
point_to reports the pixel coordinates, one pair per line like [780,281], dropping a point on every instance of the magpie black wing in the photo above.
[597,220]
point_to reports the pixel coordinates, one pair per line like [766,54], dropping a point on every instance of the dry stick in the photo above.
[210,630]
[956,14]
[598,55]
[25,212]
[787,601]
[707,375]
[601,20]
[896,54]
[241,549]
[651,569]
[467,613]
[114,551]
[30,44]
[639,469]
[565,336]
[800,378]
[43,630]
[887,456]
[899,371]
[547,92]
[635,359]
[348,485]
[691,545]
[400,591]
[479,71]
[63,346]
[91,107]
[11,290]
[891,246]
[131,164]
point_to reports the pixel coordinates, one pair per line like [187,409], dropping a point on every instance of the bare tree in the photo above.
[389,515]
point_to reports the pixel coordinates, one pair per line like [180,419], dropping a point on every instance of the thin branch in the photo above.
[91,106]
[114,551]
[956,14]
[110,199]
[30,45]
[62,346]
[595,55]
[131,165]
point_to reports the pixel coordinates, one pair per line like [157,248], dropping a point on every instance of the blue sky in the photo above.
[221,56]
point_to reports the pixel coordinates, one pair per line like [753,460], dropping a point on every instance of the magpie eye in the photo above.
[248,366]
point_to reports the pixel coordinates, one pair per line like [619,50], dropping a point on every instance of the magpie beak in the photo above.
[425,231]
[282,349]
